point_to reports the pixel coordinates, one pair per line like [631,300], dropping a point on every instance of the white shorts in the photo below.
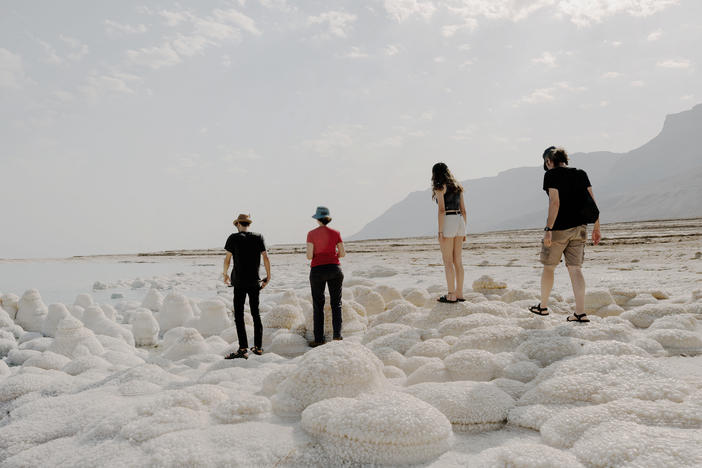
[454,225]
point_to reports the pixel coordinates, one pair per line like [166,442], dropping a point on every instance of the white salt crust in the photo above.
[525,455]
[383,428]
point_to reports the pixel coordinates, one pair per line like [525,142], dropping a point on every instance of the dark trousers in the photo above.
[320,276]
[240,294]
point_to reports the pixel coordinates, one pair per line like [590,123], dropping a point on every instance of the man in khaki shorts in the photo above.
[565,233]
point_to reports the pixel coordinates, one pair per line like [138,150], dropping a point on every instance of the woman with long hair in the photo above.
[448,194]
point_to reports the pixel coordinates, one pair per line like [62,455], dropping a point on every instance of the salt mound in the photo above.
[495,338]
[340,368]
[284,316]
[372,301]
[175,312]
[31,311]
[679,322]
[459,325]
[73,339]
[432,370]
[288,344]
[153,300]
[614,348]
[622,296]
[525,455]
[514,295]
[549,349]
[83,300]
[434,347]
[144,328]
[10,302]
[47,360]
[678,341]
[566,427]
[84,364]
[242,407]
[644,316]
[214,317]
[469,406]
[596,299]
[4,369]
[486,285]
[522,371]
[388,293]
[401,341]
[395,314]
[94,319]
[386,428]
[57,312]
[641,299]
[417,296]
[471,364]
[188,344]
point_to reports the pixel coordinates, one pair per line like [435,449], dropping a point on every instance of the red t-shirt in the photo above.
[325,240]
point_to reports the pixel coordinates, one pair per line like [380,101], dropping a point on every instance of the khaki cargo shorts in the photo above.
[568,242]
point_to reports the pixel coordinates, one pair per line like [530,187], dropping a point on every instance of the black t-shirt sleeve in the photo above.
[262,247]
[586,179]
[549,180]
[229,245]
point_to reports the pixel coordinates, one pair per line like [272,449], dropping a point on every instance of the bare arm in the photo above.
[442,210]
[227,261]
[341,251]
[596,234]
[267,264]
[310,250]
[554,204]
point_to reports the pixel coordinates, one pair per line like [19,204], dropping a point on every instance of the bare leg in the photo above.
[578,281]
[547,283]
[458,264]
[446,245]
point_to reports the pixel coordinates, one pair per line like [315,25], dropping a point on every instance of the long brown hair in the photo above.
[442,177]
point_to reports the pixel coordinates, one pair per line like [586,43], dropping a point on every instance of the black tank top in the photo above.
[452,201]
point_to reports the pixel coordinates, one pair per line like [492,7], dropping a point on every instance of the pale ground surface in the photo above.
[71,402]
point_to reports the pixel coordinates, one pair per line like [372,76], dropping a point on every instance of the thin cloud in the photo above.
[338,23]
[11,70]
[113,28]
[154,57]
[547,58]
[402,10]
[675,63]
[655,35]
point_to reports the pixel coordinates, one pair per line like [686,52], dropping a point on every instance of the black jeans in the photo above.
[320,276]
[239,299]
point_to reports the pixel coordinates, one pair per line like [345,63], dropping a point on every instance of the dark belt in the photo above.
[453,212]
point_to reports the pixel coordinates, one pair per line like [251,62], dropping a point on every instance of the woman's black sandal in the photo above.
[446,300]
[538,310]
[256,350]
[578,318]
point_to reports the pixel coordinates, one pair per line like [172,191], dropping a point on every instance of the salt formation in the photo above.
[214,318]
[175,312]
[47,360]
[471,364]
[434,347]
[83,300]
[395,336]
[153,300]
[525,455]
[494,338]
[284,316]
[400,310]
[644,316]
[288,344]
[417,296]
[386,428]
[388,293]
[678,341]
[188,344]
[514,295]
[432,370]
[337,369]
[57,312]
[487,285]
[371,301]
[458,325]
[31,311]
[469,406]
[10,302]
[73,339]
[243,407]
[549,349]
[144,328]
[94,319]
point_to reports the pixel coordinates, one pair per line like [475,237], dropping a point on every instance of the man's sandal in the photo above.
[256,350]
[578,318]
[538,310]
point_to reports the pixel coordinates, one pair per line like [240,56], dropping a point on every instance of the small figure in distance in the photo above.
[325,248]
[571,207]
[448,194]
[246,248]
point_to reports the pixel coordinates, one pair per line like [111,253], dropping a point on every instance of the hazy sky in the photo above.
[139,126]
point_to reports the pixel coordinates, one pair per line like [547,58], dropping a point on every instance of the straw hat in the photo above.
[243,218]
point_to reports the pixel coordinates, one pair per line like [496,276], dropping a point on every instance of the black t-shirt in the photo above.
[246,248]
[571,184]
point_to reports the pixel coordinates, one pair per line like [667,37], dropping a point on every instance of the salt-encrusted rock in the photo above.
[441,311]
[5,320]
[144,328]
[469,406]
[645,315]
[596,299]
[434,347]
[431,371]
[459,325]
[679,322]
[565,428]
[678,341]
[56,313]
[376,271]
[47,360]
[622,296]
[84,300]
[286,343]
[613,348]
[659,294]
[4,369]
[241,408]
[94,319]
[392,372]
[372,301]
[153,300]
[514,295]
[604,379]
[6,345]
[549,349]
[487,285]
[340,368]
[99,286]
[31,311]
[390,357]
[38,343]
[388,292]
[652,347]
[190,343]
[494,338]
[17,357]
[632,444]
[400,341]
[84,364]
[417,296]
[535,416]
[386,428]
[175,312]
[213,318]
[274,378]
[396,313]
[471,364]
[523,371]
[513,388]
[71,335]
[641,300]
[525,455]
[109,311]
[284,316]
[610,310]
[10,302]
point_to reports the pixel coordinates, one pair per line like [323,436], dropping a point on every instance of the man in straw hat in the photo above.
[246,248]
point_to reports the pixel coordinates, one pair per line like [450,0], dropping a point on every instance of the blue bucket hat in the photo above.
[322,212]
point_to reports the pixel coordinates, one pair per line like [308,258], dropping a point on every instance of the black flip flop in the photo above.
[460,299]
[578,318]
[445,300]
[538,310]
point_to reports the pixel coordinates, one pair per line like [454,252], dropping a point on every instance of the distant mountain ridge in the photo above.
[660,180]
